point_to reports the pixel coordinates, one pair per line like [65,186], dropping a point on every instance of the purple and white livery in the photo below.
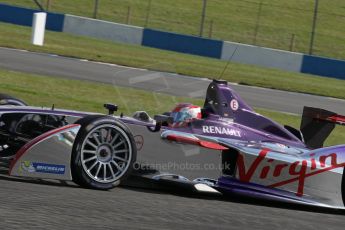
[227,149]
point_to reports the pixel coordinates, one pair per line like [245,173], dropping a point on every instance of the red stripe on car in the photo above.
[36,140]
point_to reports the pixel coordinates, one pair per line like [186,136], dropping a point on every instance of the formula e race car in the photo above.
[224,147]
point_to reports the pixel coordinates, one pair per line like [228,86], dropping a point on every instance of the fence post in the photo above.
[211,29]
[292,42]
[256,31]
[95,11]
[203,15]
[39,5]
[312,38]
[128,19]
[148,13]
[48,5]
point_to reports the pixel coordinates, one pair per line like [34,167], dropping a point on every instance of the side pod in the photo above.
[47,156]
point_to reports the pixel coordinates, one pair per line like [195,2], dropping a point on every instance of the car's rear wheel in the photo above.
[343,187]
[9,100]
[103,154]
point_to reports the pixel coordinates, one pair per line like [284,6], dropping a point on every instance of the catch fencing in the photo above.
[313,27]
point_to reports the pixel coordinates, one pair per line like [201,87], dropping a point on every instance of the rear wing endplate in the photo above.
[317,124]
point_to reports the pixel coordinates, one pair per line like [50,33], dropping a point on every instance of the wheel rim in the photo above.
[106,153]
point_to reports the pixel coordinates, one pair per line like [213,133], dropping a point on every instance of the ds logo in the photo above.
[234,104]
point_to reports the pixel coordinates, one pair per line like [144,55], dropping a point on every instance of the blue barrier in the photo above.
[15,15]
[55,22]
[182,43]
[323,66]
[23,16]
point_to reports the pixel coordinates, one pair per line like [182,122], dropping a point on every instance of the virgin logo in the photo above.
[297,170]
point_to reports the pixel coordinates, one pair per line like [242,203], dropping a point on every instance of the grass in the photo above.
[83,95]
[236,20]
[143,57]
[86,96]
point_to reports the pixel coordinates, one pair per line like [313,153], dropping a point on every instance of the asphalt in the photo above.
[31,204]
[52,65]
[40,205]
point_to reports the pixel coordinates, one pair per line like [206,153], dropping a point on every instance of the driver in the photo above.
[185,113]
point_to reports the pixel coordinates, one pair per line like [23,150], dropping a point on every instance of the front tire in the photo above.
[103,153]
[9,100]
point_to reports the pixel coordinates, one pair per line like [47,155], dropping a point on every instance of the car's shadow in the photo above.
[152,189]
[5,177]
[233,198]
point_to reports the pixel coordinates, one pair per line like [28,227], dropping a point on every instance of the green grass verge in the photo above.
[88,96]
[272,24]
[143,57]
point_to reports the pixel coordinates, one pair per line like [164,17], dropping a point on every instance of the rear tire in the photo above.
[103,154]
[9,100]
[343,187]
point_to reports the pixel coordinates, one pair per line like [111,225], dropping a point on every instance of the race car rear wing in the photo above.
[317,124]
[337,119]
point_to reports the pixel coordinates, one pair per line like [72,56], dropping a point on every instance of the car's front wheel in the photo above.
[9,100]
[103,154]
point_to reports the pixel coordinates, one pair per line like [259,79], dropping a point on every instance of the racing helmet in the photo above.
[185,113]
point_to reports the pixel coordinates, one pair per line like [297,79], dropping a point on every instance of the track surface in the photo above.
[27,205]
[39,205]
[51,65]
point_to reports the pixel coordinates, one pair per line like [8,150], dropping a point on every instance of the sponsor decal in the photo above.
[36,167]
[221,130]
[234,104]
[299,171]
[281,146]
[139,141]
[227,120]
